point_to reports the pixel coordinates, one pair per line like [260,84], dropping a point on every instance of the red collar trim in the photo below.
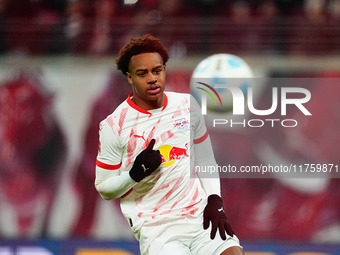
[165,102]
[136,107]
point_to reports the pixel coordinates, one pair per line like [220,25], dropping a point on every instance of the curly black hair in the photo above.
[138,45]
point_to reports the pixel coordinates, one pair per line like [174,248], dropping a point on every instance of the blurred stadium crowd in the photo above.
[99,27]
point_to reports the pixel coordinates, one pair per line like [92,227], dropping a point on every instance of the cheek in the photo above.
[138,86]
[161,78]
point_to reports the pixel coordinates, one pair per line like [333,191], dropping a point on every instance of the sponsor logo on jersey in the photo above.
[170,154]
[140,136]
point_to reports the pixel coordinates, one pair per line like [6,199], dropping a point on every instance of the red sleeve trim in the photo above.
[127,193]
[201,139]
[106,166]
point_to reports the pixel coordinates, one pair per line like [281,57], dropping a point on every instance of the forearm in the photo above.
[204,159]
[113,187]
[211,186]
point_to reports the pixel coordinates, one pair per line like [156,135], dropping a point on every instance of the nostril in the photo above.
[153,81]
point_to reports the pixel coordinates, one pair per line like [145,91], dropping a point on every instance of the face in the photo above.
[147,77]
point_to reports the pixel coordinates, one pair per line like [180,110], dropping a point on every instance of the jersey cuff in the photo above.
[107,166]
[201,139]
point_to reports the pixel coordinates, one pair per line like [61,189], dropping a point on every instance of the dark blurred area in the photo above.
[187,27]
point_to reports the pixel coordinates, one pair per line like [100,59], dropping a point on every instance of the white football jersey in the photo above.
[171,191]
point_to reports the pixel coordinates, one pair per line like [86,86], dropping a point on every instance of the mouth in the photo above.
[153,90]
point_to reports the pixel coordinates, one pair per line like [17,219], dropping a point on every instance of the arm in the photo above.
[214,210]
[112,185]
[204,157]
[111,180]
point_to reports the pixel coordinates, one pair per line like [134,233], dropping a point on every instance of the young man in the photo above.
[148,150]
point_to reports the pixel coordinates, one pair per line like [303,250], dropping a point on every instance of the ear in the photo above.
[128,76]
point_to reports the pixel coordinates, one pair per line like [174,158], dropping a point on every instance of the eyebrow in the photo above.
[144,70]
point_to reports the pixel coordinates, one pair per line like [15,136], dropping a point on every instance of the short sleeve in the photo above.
[109,153]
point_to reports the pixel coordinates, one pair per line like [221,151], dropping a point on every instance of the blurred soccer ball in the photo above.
[220,69]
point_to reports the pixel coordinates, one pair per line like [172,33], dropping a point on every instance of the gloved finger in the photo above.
[205,222]
[158,153]
[158,157]
[222,231]
[151,144]
[228,229]
[213,230]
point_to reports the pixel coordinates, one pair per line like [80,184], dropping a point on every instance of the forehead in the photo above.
[145,61]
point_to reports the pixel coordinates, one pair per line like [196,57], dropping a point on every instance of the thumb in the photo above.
[151,144]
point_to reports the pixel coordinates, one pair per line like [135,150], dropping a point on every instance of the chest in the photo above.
[170,129]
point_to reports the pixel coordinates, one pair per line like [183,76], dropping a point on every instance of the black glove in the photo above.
[214,212]
[146,162]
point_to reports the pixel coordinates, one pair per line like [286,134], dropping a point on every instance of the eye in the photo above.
[142,74]
[157,71]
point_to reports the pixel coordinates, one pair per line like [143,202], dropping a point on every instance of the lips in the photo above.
[153,90]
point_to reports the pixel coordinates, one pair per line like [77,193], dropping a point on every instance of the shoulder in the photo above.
[177,94]
[113,120]
[123,107]
[175,97]
[184,98]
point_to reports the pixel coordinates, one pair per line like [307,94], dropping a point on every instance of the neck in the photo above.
[149,105]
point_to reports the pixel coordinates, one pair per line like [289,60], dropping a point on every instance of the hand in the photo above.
[146,162]
[214,212]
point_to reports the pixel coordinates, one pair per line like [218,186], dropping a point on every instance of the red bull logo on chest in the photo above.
[170,154]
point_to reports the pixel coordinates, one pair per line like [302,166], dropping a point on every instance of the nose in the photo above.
[151,78]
